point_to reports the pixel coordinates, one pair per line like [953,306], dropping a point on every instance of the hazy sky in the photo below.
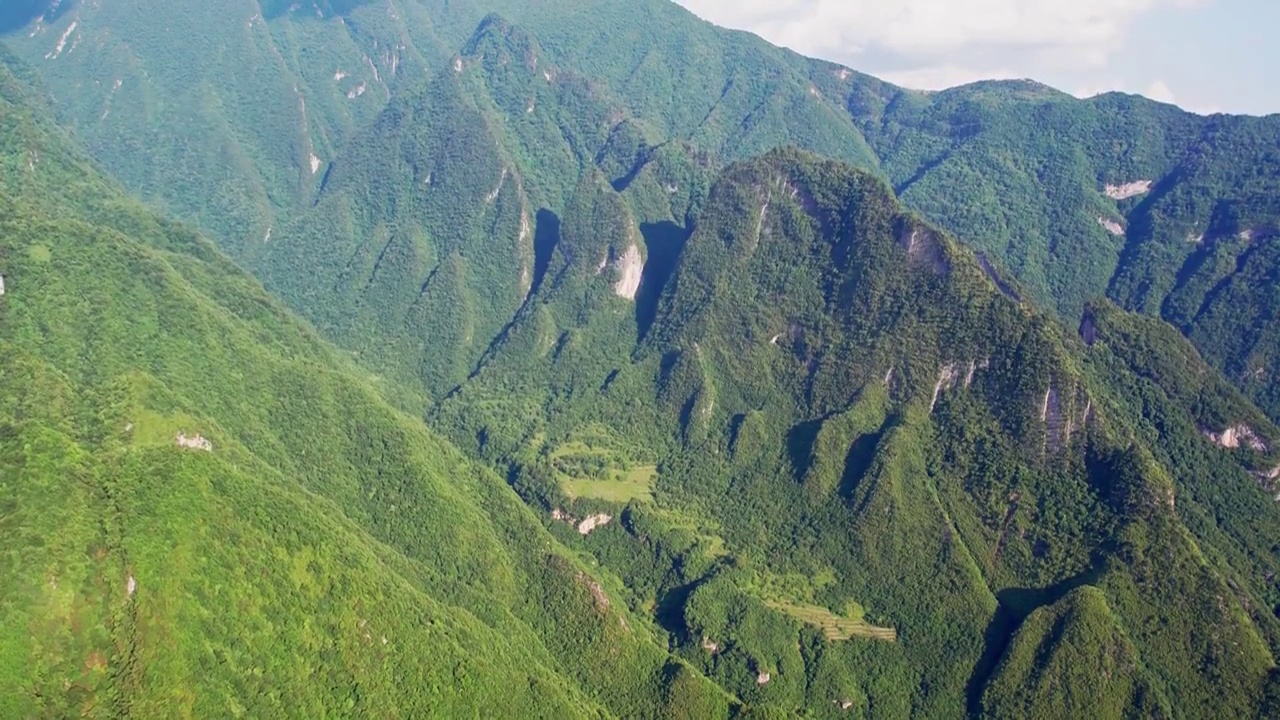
[1205,55]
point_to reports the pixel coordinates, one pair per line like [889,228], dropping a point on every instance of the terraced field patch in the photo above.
[834,627]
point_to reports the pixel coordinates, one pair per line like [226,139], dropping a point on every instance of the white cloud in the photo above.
[936,43]
[931,26]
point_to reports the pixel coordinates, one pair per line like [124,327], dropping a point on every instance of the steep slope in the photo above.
[241,106]
[207,512]
[1077,199]
[850,466]
[229,113]
[1166,213]
[439,221]
[1070,659]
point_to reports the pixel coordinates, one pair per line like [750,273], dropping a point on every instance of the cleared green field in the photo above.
[592,466]
[833,626]
[637,484]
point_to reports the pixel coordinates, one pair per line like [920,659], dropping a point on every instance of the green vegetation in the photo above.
[636,484]
[207,512]
[1071,660]
[834,627]
[851,467]
[852,413]
[596,467]
[305,134]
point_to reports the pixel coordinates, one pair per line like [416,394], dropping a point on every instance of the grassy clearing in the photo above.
[621,488]
[592,466]
[835,627]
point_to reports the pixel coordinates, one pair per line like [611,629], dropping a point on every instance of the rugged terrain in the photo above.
[672,374]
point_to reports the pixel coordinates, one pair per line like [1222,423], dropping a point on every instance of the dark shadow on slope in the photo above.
[925,168]
[17,14]
[665,240]
[621,184]
[800,442]
[324,184]
[1224,284]
[669,611]
[1001,284]
[858,462]
[1015,604]
[1140,234]
[546,235]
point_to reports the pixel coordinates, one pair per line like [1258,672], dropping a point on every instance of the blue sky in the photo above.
[1205,55]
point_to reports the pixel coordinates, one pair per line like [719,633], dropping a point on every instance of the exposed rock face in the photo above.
[630,269]
[947,377]
[1111,226]
[1236,437]
[710,645]
[1128,190]
[598,595]
[591,523]
[763,678]
[196,442]
[924,249]
[1268,479]
[1064,411]
[493,194]
[974,367]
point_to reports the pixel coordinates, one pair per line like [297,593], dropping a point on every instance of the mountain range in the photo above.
[411,358]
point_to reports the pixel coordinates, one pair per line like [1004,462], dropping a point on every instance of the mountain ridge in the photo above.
[713,427]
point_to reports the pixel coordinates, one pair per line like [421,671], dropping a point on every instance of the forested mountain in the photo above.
[240,109]
[753,386]
[879,442]
[208,513]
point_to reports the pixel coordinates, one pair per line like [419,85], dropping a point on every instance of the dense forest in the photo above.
[238,117]
[209,512]
[639,369]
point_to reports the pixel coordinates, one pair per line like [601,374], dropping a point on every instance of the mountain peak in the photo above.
[497,41]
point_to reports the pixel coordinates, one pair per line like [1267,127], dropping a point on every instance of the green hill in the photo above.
[207,512]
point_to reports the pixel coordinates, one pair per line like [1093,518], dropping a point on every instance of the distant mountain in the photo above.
[1157,209]
[240,111]
[208,512]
